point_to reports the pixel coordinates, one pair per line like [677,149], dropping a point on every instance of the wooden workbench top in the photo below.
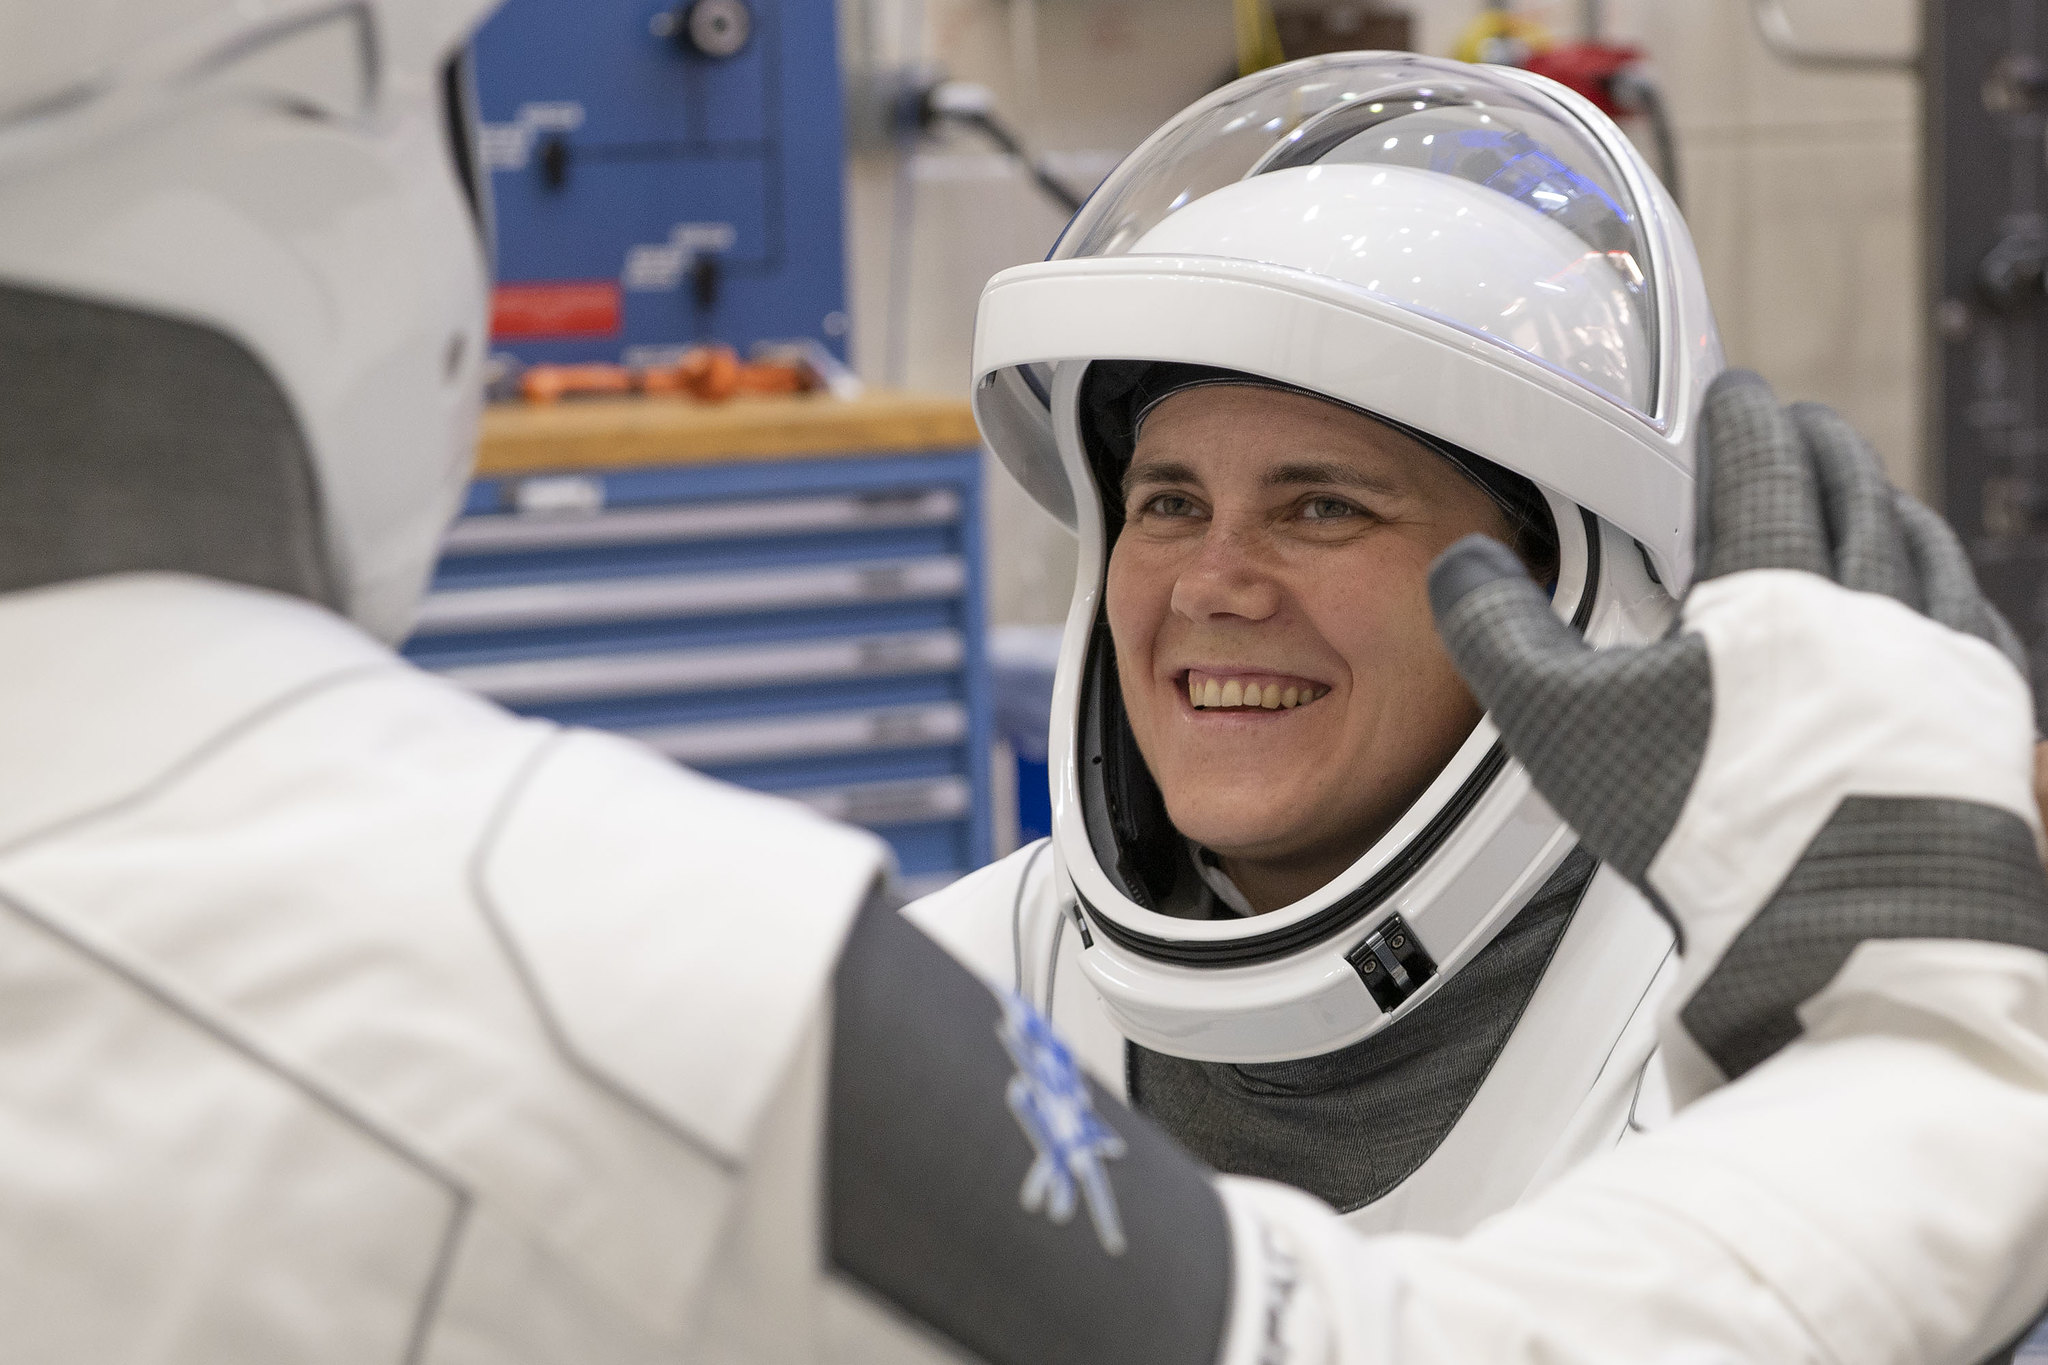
[614,433]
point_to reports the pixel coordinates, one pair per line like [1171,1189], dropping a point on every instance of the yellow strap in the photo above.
[1258,37]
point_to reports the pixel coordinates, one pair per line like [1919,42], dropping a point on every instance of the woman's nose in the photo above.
[1227,577]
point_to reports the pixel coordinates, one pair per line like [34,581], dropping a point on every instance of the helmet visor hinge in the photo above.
[1392,963]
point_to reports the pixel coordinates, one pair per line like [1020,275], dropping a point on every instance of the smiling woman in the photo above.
[1273,637]
[1299,905]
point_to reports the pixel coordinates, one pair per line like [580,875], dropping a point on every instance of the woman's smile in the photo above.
[1231,689]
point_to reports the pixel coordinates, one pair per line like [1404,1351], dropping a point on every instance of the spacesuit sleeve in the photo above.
[1872,1194]
[979,1185]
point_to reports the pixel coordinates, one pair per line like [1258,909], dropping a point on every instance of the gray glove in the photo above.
[1834,745]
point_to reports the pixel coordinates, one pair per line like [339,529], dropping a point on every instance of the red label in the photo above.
[555,308]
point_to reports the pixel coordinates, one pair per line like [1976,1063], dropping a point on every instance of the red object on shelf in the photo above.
[1588,68]
[554,309]
[709,374]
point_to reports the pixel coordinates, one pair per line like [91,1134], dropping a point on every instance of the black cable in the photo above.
[1006,141]
[1649,101]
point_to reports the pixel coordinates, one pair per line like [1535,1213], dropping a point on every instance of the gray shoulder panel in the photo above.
[1883,867]
[138,440]
[978,1182]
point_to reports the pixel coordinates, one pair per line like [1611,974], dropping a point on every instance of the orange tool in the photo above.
[547,383]
[709,374]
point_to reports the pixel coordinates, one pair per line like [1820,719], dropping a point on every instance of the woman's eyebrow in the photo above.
[1328,472]
[1157,471]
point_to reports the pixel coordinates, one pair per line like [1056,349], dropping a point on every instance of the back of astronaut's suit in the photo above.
[346,1018]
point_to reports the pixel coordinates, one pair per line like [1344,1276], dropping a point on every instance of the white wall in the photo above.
[1801,188]
[1803,193]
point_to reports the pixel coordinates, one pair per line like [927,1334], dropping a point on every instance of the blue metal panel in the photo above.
[653,91]
[930,848]
[584,230]
[609,142]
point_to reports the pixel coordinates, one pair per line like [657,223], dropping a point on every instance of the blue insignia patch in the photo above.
[1051,1103]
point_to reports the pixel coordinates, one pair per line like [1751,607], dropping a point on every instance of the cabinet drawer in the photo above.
[710,743]
[589,677]
[881,804]
[519,532]
[591,601]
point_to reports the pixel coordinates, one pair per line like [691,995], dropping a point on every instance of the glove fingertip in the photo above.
[1469,565]
[1733,385]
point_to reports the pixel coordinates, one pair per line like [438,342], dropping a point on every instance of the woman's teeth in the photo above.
[1212,694]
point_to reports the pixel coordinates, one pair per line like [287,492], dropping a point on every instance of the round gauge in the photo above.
[718,28]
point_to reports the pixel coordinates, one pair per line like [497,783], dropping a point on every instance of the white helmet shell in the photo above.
[284,174]
[1465,254]
[1473,252]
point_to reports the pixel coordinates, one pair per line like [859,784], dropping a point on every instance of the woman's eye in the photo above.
[1167,505]
[1324,509]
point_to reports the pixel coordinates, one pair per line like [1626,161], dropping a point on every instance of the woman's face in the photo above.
[1276,550]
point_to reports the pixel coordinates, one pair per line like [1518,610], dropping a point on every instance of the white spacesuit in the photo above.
[313,1047]
[344,1017]
[1482,259]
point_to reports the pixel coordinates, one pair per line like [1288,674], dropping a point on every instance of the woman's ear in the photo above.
[2041,778]
[1539,555]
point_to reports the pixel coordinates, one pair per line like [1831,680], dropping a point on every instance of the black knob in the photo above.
[554,161]
[706,275]
[2014,273]
[2016,85]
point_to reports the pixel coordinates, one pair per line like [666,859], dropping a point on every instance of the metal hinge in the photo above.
[1392,963]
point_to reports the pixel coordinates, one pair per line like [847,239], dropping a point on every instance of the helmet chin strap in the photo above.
[1123,806]
[142,442]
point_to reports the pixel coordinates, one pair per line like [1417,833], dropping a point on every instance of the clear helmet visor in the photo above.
[1457,191]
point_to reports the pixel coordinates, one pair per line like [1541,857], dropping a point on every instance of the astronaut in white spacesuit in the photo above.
[1299,904]
[345,1017]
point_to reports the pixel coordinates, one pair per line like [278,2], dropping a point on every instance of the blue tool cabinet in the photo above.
[810,627]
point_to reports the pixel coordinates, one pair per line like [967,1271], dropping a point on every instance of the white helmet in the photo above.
[1474,253]
[242,292]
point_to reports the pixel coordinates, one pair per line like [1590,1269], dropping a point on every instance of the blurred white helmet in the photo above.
[1473,253]
[242,292]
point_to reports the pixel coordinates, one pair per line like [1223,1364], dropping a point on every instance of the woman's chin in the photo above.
[1240,825]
